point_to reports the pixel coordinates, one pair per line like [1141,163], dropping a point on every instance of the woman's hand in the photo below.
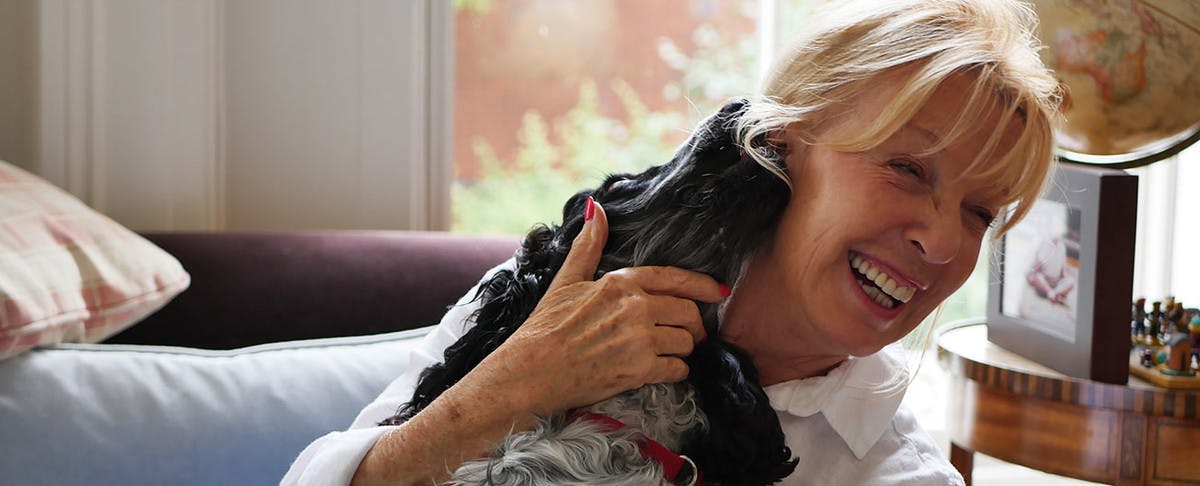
[584,342]
[589,340]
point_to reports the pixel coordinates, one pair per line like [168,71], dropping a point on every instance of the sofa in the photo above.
[280,338]
[256,288]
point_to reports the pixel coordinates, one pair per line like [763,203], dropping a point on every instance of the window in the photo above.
[551,96]
[1167,202]
[1185,264]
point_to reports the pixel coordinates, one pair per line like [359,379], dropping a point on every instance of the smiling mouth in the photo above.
[886,290]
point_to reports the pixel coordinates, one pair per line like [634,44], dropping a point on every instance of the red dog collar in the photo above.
[677,469]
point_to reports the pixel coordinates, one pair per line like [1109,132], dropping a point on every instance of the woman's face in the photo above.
[885,214]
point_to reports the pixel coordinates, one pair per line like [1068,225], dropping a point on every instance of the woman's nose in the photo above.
[937,236]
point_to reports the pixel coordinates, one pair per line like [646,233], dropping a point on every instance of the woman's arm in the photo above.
[332,459]
[584,342]
[455,427]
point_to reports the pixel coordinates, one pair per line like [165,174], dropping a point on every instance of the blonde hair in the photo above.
[854,44]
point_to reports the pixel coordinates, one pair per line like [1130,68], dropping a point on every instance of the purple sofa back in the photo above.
[254,288]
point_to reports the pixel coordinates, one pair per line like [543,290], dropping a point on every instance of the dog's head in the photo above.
[706,210]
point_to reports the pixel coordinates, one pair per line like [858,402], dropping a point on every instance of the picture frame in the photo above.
[1061,281]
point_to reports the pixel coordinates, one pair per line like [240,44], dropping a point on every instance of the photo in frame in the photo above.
[1061,280]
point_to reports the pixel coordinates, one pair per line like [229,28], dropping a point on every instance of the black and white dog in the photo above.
[706,210]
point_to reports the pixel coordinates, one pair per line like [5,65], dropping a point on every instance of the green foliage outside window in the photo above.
[556,159]
[970,300]
[473,6]
[534,185]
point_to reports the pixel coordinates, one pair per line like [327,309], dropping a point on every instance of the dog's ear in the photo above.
[506,300]
[745,443]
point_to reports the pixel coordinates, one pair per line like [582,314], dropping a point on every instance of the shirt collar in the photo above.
[858,398]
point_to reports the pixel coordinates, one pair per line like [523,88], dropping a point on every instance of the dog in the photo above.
[708,209]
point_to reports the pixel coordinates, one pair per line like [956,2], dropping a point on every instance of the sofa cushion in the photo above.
[128,414]
[68,273]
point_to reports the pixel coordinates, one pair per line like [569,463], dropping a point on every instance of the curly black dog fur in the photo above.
[706,210]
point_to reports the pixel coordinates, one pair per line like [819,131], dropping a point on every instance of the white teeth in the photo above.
[878,296]
[889,285]
[880,279]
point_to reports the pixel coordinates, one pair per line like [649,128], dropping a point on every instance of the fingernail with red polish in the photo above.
[589,210]
[703,339]
[725,292]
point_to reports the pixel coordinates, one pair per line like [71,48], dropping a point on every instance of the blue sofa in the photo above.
[281,338]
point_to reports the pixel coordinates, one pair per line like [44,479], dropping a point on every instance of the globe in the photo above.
[1131,69]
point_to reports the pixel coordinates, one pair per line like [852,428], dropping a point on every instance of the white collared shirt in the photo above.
[843,427]
[849,427]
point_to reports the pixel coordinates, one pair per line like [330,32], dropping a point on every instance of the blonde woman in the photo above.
[900,130]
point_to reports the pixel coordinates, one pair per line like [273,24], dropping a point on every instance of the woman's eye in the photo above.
[911,167]
[985,216]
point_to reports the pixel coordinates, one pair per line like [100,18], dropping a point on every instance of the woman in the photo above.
[903,129]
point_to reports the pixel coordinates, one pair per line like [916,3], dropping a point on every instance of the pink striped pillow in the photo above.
[68,273]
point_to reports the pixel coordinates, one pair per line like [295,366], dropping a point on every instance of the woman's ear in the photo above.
[788,139]
[778,140]
[790,143]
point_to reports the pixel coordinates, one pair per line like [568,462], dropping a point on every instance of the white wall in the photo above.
[17,76]
[248,114]
[156,159]
[326,114]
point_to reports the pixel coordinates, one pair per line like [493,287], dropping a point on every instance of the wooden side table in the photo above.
[1011,408]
